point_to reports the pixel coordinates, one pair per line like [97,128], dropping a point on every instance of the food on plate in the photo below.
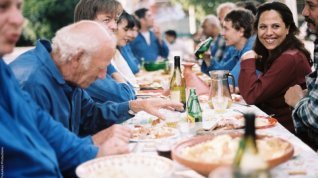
[141,133]
[237,122]
[237,98]
[150,85]
[155,121]
[222,148]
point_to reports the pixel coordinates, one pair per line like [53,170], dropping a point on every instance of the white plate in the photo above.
[153,130]
[126,166]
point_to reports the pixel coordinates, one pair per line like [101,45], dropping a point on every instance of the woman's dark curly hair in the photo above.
[290,42]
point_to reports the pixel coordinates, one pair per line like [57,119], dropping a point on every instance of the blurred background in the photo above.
[184,16]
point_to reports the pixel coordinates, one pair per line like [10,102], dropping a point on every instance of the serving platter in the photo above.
[206,153]
[127,165]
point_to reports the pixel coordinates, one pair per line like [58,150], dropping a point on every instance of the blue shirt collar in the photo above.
[44,49]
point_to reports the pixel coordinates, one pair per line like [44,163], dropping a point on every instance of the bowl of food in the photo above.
[126,166]
[206,153]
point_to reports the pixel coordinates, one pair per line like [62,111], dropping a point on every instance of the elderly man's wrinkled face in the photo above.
[310,12]
[11,21]
[96,68]
[271,29]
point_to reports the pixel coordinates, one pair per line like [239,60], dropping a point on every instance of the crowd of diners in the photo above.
[62,103]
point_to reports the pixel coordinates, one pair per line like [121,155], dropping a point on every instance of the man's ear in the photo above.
[76,58]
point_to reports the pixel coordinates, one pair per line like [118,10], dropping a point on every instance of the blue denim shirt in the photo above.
[33,144]
[131,60]
[72,106]
[108,89]
[236,69]
[226,63]
[141,49]
[231,60]
[111,69]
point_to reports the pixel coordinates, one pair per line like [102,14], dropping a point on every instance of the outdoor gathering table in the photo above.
[304,162]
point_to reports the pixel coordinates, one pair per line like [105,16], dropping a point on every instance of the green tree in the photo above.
[45,17]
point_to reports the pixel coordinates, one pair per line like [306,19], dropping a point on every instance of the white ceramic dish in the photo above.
[126,166]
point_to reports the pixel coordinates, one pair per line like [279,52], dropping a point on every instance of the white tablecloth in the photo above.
[303,164]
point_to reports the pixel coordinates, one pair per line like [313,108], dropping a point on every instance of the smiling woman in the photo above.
[280,56]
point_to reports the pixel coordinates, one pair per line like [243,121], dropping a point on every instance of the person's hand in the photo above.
[207,58]
[152,106]
[113,146]
[293,95]
[248,55]
[120,132]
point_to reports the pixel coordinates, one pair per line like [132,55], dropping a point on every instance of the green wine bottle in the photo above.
[203,47]
[247,162]
[194,111]
[177,84]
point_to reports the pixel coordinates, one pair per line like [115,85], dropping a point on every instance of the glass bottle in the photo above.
[142,63]
[194,111]
[177,84]
[192,92]
[203,47]
[247,162]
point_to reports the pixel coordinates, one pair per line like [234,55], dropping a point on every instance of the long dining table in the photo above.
[304,162]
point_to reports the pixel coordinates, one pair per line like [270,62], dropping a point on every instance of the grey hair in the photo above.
[225,5]
[212,19]
[69,40]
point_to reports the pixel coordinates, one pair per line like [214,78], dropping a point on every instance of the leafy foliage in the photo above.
[45,17]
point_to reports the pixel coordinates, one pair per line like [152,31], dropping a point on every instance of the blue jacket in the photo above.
[32,143]
[236,69]
[131,60]
[111,69]
[226,63]
[231,61]
[141,49]
[72,106]
[108,89]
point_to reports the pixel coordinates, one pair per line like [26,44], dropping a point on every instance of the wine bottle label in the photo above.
[175,95]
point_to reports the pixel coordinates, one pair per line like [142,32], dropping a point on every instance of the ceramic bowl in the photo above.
[127,165]
[205,168]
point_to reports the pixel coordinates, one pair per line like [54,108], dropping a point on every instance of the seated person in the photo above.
[123,35]
[148,44]
[212,28]
[114,87]
[35,145]
[237,32]
[285,62]
[109,89]
[126,51]
[56,74]
[176,46]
